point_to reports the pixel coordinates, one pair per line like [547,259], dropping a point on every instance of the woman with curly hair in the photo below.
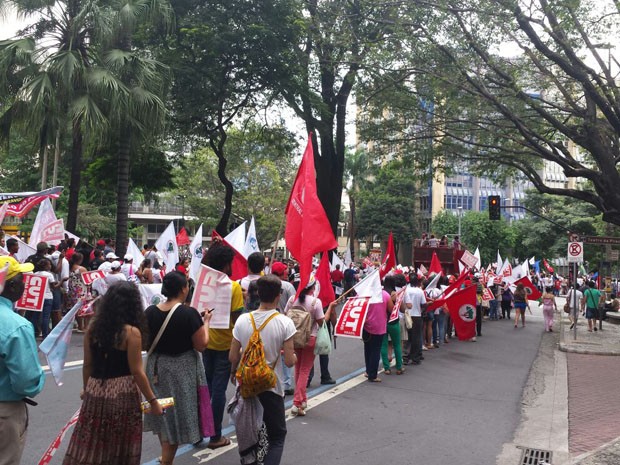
[109,428]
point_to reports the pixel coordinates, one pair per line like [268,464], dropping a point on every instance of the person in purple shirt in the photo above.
[375,328]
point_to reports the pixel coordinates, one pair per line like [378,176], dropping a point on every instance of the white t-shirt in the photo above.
[245,282]
[278,330]
[570,298]
[128,269]
[434,294]
[50,279]
[106,267]
[415,296]
[288,291]
[64,273]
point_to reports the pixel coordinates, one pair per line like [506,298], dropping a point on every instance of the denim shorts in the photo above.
[591,313]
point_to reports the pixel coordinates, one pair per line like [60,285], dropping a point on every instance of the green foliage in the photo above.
[385,203]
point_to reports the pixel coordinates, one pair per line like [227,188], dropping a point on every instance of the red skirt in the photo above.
[109,429]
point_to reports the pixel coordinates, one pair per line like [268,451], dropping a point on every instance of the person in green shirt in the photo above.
[593,298]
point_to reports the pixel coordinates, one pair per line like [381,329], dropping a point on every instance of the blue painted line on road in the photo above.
[288,404]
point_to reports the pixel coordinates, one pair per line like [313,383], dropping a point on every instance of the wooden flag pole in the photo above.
[275,245]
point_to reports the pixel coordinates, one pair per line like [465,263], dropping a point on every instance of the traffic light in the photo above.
[494,207]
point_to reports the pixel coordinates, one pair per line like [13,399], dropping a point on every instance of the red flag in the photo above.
[532,292]
[451,289]
[307,228]
[323,277]
[435,265]
[239,264]
[548,267]
[183,238]
[389,261]
[462,307]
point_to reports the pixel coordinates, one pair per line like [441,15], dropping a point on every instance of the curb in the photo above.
[578,350]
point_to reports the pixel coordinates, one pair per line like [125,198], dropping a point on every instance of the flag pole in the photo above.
[275,245]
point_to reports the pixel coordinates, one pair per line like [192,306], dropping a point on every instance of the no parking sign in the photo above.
[575,252]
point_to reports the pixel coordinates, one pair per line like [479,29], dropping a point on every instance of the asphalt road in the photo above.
[460,406]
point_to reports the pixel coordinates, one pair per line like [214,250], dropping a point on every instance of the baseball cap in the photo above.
[42,246]
[115,265]
[128,256]
[278,268]
[14,266]
[111,255]
[101,242]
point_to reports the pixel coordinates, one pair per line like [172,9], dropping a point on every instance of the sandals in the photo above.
[387,372]
[223,442]
[374,380]
[400,372]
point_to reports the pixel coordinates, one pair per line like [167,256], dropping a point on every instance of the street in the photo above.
[459,406]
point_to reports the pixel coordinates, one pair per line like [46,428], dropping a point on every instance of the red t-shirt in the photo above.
[337,276]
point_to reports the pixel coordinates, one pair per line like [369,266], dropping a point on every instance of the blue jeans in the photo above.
[372,353]
[43,317]
[439,328]
[289,381]
[493,309]
[217,369]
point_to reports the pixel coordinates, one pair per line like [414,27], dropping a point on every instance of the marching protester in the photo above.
[287,291]
[215,357]
[520,302]
[592,298]
[574,302]
[109,428]
[76,287]
[392,341]
[375,330]
[507,301]
[256,263]
[276,334]
[174,366]
[549,306]
[21,375]
[43,268]
[415,301]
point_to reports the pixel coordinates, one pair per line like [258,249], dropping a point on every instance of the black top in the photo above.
[177,338]
[109,363]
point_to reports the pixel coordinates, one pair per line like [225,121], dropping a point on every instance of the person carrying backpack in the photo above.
[307,314]
[262,342]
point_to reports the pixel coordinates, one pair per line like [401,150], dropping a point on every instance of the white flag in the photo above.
[24,251]
[3,209]
[533,260]
[347,257]
[195,249]
[167,246]
[433,283]
[251,243]
[499,262]
[337,261]
[56,344]
[236,238]
[477,255]
[73,236]
[134,251]
[45,216]
[370,286]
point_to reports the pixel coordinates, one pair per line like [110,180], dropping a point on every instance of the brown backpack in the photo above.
[303,324]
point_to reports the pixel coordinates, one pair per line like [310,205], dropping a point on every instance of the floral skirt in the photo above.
[109,428]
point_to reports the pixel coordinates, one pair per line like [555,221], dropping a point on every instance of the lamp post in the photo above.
[460,210]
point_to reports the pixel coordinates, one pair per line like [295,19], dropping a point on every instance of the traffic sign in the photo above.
[575,252]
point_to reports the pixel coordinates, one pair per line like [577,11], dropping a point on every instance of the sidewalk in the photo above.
[593,370]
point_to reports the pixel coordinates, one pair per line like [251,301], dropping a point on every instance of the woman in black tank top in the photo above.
[109,428]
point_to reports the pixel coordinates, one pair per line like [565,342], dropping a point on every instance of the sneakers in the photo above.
[298,411]
[328,381]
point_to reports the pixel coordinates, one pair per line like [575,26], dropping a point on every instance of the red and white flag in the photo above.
[89,277]
[352,317]
[308,231]
[34,293]
[53,232]
[239,264]
[389,261]
[487,294]
[326,291]
[400,295]
[548,267]
[435,265]
[45,216]
[20,203]
[462,308]
[532,292]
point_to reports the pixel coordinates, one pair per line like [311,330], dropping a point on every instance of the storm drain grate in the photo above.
[535,457]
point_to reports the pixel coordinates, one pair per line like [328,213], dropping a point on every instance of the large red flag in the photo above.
[532,292]
[462,307]
[389,261]
[548,267]
[322,275]
[307,228]
[435,265]
[239,264]
[451,289]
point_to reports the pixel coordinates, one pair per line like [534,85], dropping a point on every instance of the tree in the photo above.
[556,101]
[385,203]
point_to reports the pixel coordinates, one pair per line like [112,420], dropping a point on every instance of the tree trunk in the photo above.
[122,191]
[56,161]
[218,148]
[76,176]
[352,225]
[329,164]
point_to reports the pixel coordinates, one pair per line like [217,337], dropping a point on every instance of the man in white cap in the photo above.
[127,267]
[113,276]
[107,265]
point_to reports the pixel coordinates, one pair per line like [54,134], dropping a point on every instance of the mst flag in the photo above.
[167,246]
[389,261]
[308,231]
[462,307]
[251,243]
[532,292]
[195,249]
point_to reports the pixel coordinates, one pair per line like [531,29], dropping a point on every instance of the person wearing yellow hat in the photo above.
[21,375]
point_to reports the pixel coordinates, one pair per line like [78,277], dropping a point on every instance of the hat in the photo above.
[115,265]
[311,283]
[14,266]
[278,268]
[111,255]
[128,257]
[101,242]
[42,246]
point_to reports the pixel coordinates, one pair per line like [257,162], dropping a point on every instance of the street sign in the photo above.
[601,240]
[575,252]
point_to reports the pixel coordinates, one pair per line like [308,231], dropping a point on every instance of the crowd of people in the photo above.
[193,363]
